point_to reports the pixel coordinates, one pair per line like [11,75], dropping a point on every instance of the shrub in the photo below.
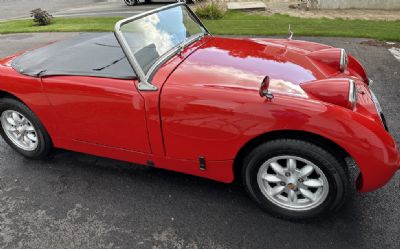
[210,10]
[41,17]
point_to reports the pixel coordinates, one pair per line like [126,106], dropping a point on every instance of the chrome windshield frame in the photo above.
[144,84]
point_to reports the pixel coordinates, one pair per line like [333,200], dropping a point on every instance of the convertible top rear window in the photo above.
[89,54]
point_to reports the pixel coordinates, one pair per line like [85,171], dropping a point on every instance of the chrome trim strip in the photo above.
[378,109]
[343,60]
[376,102]
[144,83]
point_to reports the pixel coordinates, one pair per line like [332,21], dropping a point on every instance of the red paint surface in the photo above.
[208,104]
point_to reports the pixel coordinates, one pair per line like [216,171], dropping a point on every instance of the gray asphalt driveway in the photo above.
[15,9]
[21,8]
[73,200]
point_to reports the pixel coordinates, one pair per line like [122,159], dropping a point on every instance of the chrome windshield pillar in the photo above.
[145,77]
[143,84]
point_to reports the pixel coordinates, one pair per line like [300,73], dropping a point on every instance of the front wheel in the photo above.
[22,130]
[295,179]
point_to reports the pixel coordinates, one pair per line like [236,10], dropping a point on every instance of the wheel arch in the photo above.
[5,94]
[325,143]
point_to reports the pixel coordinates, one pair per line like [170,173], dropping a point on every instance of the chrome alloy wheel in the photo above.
[19,130]
[293,183]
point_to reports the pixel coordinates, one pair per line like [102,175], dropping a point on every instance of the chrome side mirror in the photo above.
[264,89]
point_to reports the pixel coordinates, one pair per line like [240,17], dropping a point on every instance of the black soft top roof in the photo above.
[88,54]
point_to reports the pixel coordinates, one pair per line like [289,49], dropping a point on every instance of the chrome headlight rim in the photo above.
[344,60]
[352,94]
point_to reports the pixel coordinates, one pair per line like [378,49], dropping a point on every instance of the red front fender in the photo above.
[372,148]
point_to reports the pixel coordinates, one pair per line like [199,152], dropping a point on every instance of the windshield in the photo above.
[152,36]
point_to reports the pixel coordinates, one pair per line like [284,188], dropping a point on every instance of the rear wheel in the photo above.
[22,130]
[295,179]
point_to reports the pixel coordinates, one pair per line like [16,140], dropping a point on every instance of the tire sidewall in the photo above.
[43,146]
[331,167]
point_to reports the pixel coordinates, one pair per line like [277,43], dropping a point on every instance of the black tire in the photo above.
[44,145]
[333,169]
[131,2]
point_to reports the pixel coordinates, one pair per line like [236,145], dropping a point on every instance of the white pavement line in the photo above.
[395,52]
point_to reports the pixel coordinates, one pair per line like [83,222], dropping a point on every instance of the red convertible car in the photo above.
[281,115]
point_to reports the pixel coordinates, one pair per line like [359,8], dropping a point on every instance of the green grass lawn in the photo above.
[241,23]
[234,23]
[89,24]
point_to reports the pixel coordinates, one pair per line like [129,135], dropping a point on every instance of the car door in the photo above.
[102,111]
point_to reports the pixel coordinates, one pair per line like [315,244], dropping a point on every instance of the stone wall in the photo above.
[354,4]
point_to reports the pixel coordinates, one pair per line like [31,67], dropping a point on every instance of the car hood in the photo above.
[243,63]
